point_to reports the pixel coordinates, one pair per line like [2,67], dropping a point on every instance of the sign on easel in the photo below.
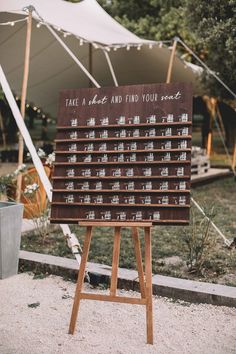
[123,160]
[123,155]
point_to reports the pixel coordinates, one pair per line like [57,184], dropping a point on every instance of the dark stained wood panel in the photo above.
[123,154]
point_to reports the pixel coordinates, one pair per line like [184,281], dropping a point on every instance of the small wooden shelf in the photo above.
[101,191]
[122,205]
[101,221]
[123,139]
[120,178]
[115,152]
[133,126]
[130,163]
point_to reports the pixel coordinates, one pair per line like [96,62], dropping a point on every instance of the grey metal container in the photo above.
[10,235]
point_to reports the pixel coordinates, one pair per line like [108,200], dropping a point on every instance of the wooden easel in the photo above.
[144,282]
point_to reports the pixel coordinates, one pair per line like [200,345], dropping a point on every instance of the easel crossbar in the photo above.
[145,278]
[121,299]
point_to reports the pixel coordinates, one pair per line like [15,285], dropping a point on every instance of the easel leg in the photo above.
[138,255]
[115,261]
[148,271]
[80,280]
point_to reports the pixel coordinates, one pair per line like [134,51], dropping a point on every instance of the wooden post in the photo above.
[171,62]
[209,143]
[23,99]
[211,106]
[234,158]
[148,273]
[115,261]
[80,281]
[137,249]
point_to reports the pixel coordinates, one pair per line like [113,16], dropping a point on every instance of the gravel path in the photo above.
[104,328]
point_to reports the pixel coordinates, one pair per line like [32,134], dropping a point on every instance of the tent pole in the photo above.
[219,115]
[90,63]
[111,67]
[72,241]
[23,99]
[171,62]
[72,55]
[206,67]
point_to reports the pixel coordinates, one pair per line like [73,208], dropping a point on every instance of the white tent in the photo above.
[87,30]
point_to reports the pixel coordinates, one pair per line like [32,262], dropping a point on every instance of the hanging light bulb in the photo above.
[128,47]
[38,24]
[150,46]
[81,41]
[115,49]
[139,47]
[12,23]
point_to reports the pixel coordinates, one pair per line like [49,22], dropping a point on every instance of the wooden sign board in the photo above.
[123,154]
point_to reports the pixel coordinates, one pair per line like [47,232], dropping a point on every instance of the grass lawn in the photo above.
[171,254]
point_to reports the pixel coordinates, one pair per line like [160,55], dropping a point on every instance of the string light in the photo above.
[12,23]
[95,45]
[139,47]
[128,47]
[38,24]
[38,110]
[81,41]
[115,49]
[35,108]
[150,46]
[27,105]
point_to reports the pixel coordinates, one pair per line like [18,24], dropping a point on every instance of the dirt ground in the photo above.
[35,315]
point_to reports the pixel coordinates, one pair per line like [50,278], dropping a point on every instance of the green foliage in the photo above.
[200,242]
[208,28]
[214,23]
[144,18]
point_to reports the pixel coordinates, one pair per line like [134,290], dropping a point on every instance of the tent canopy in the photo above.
[86,29]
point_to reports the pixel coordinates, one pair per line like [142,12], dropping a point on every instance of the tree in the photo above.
[153,19]
[156,20]
[214,23]
[207,27]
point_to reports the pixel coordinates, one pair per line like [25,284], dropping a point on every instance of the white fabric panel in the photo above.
[52,69]
[86,19]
